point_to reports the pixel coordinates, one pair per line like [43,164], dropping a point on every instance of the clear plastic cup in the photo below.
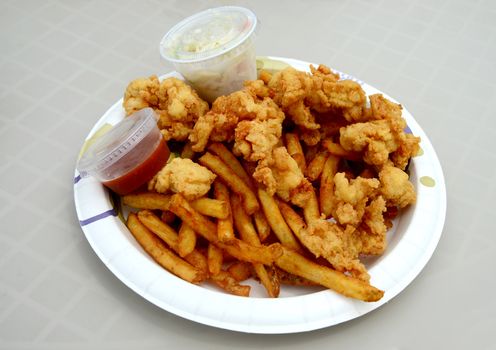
[214,50]
[127,156]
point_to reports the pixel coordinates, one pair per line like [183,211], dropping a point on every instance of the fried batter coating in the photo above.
[301,95]
[291,87]
[182,175]
[382,138]
[141,93]
[176,103]
[179,105]
[255,139]
[282,175]
[219,123]
[341,247]
[351,197]
[395,187]
[375,139]
[373,228]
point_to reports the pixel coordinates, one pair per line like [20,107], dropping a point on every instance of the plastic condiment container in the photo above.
[128,155]
[214,50]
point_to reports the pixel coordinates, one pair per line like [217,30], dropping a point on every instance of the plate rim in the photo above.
[359,308]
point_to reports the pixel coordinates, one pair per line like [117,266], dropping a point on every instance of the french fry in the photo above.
[247,232]
[295,150]
[152,201]
[310,153]
[240,270]
[187,151]
[230,160]
[276,221]
[235,247]
[225,230]
[311,210]
[171,238]
[161,254]
[225,281]
[293,280]
[298,265]
[262,225]
[294,221]
[198,260]
[233,181]
[159,228]
[326,194]
[315,167]
[214,259]
[211,207]
[186,240]
[147,200]
[338,150]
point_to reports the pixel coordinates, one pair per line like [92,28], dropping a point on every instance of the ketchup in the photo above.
[142,173]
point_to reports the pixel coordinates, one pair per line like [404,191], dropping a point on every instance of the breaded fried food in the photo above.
[283,176]
[340,247]
[183,176]
[301,95]
[372,230]
[395,187]
[219,123]
[141,93]
[382,137]
[301,154]
[351,197]
[291,87]
[175,102]
[255,139]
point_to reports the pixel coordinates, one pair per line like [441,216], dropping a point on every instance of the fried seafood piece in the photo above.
[372,230]
[339,246]
[141,93]
[396,189]
[375,139]
[176,103]
[182,175]
[345,95]
[219,123]
[212,126]
[382,108]
[290,90]
[255,139]
[180,107]
[383,137]
[301,95]
[283,176]
[257,88]
[351,198]
[408,148]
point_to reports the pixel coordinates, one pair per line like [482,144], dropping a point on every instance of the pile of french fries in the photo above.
[242,232]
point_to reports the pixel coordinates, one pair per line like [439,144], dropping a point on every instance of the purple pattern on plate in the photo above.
[77,178]
[111,212]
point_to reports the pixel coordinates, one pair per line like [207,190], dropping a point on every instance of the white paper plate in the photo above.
[411,243]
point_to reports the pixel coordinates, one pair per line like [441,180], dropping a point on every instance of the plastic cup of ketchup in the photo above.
[129,155]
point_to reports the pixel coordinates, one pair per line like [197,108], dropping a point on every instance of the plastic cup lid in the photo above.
[117,142]
[208,34]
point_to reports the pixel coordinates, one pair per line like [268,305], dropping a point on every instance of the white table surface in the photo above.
[63,63]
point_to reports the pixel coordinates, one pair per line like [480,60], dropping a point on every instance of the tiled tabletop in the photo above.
[63,63]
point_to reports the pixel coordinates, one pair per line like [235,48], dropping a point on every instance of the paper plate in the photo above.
[411,243]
